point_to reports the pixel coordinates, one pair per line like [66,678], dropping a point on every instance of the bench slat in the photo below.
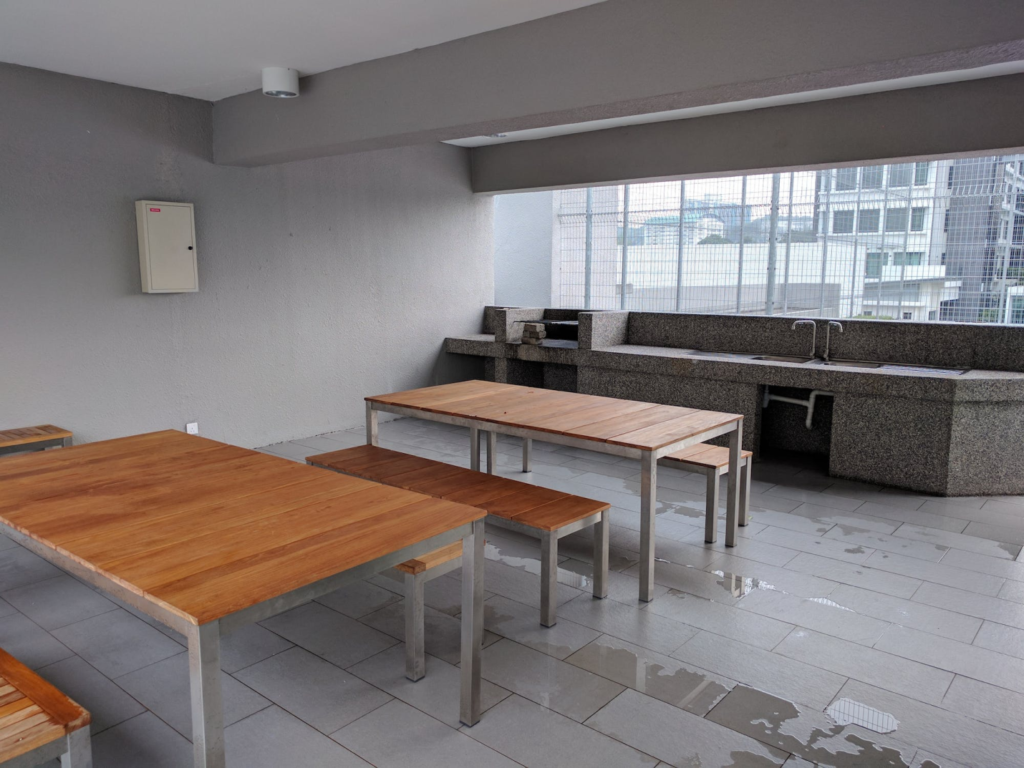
[431,559]
[704,455]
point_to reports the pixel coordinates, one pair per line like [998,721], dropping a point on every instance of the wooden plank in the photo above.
[659,435]
[522,499]
[431,559]
[58,706]
[560,513]
[29,435]
[630,422]
[704,455]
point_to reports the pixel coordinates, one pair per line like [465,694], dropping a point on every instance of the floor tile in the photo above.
[971,604]
[19,567]
[988,703]
[994,566]
[274,739]
[522,623]
[677,737]
[1012,590]
[868,665]
[247,645]
[948,734]
[628,622]
[359,599]
[29,643]
[913,517]
[852,535]
[808,733]
[117,643]
[999,533]
[936,573]
[907,613]
[566,689]
[437,693]
[831,500]
[164,689]
[816,544]
[666,679]
[292,451]
[720,619]
[748,548]
[6,543]
[999,637]
[106,702]
[337,638]
[787,521]
[820,614]
[442,633]
[855,575]
[690,580]
[6,608]
[142,741]
[828,516]
[539,738]
[518,584]
[968,660]
[58,602]
[959,541]
[312,689]
[787,678]
[399,736]
[761,576]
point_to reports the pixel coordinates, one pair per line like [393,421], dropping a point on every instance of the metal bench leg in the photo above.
[207,704]
[600,530]
[745,492]
[472,623]
[648,504]
[732,503]
[548,578]
[492,451]
[474,448]
[711,513]
[66,442]
[79,754]
[371,425]
[415,659]
[527,454]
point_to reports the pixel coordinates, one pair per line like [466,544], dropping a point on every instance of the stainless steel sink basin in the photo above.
[784,358]
[848,363]
[724,355]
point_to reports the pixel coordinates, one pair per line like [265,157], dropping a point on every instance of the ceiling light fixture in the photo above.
[280,82]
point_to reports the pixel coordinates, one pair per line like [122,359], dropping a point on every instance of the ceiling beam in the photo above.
[615,59]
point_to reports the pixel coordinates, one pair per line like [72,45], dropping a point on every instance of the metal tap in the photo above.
[828,335]
[814,334]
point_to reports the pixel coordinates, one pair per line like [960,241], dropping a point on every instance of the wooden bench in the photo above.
[38,722]
[33,438]
[531,509]
[713,461]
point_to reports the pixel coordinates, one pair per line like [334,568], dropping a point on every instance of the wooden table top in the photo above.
[628,423]
[206,529]
[32,712]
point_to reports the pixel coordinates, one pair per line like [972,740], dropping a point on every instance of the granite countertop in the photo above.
[973,385]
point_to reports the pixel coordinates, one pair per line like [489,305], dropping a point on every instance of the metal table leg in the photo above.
[527,454]
[415,658]
[474,448]
[472,623]
[711,515]
[548,578]
[600,533]
[648,506]
[745,492]
[492,451]
[371,425]
[79,754]
[732,511]
[207,704]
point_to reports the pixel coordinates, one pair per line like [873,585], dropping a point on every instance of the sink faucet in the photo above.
[814,334]
[828,335]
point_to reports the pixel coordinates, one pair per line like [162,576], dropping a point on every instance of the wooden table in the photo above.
[207,537]
[643,431]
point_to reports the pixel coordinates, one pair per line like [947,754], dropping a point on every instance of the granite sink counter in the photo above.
[950,431]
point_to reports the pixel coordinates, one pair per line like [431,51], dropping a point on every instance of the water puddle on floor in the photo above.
[532,565]
[739,586]
[686,688]
[807,733]
[847,711]
[829,603]
[532,635]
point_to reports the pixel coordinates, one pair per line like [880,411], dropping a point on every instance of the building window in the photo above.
[842,222]
[921,174]
[869,220]
[911,259]
[900,175]
[908,315]
[868,313]
[917,219]
[896,220]
[875,261]
[871,178]
[846,179]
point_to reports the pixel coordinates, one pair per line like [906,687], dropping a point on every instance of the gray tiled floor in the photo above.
[908,604]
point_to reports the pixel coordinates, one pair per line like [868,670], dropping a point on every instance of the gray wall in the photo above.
[619,57]
[523,245]
[978,116]
[320,282]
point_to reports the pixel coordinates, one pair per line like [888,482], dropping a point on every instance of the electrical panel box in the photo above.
[167,247]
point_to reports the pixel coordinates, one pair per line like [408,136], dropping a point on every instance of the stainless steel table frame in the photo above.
[648,466]
[204,639]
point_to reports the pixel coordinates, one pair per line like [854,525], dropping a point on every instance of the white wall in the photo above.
[523,242]
[320,282]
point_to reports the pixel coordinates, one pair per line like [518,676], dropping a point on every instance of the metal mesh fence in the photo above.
[938,240]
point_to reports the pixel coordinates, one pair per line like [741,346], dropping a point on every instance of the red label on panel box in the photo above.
[154,210]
